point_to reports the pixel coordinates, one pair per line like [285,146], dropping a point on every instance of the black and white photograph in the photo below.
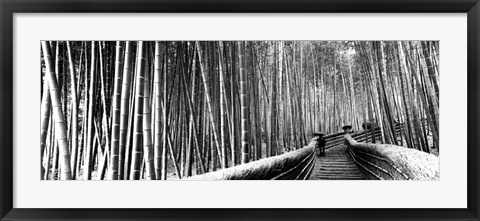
[240,110]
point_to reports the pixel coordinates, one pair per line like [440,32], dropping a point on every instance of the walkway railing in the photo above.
[336,139]
[295,165]
[391,162]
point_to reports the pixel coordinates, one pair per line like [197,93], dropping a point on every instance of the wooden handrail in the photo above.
[292,165]
[386,161]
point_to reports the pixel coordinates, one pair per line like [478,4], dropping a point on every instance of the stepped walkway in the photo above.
[337,164]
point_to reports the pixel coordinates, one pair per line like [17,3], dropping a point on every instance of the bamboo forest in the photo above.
[239,110]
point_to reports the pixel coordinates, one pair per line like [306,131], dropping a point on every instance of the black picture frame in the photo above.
[9,7]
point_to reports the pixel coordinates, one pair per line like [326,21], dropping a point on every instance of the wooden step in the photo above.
[337,164]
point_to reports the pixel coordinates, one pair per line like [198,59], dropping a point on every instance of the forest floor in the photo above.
[433,149]
[171,171]
[172,174]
